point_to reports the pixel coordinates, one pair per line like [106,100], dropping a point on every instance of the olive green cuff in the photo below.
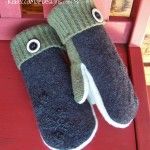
[45,34]
[71,18]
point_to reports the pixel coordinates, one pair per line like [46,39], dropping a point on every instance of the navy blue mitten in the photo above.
[80,28]
[63,124]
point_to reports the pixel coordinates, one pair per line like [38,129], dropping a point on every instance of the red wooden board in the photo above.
[143,116]
[18,129]
[148,90]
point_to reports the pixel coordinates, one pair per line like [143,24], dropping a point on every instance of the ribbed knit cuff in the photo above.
[45,34]
[72,17]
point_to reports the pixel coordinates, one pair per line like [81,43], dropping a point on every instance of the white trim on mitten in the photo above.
[86,86]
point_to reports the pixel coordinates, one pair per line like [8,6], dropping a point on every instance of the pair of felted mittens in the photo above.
[63,91]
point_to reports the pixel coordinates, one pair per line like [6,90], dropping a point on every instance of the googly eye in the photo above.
[33,46]
[97,15]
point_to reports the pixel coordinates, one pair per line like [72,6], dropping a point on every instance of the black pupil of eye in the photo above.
[97,15]
[33,46]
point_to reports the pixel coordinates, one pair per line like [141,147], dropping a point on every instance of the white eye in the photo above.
[97,15]
[33,46]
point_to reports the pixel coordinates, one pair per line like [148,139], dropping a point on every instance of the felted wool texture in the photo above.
[81,33]
[63,123]
[109,73]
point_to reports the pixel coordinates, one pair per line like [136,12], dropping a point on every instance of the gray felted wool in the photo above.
[63,124]
[80,28]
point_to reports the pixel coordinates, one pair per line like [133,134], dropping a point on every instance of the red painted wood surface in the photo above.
[18,129]
[148,91]
[141,22]
[7,9]
[119,31]
[143,118]
[10,27]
